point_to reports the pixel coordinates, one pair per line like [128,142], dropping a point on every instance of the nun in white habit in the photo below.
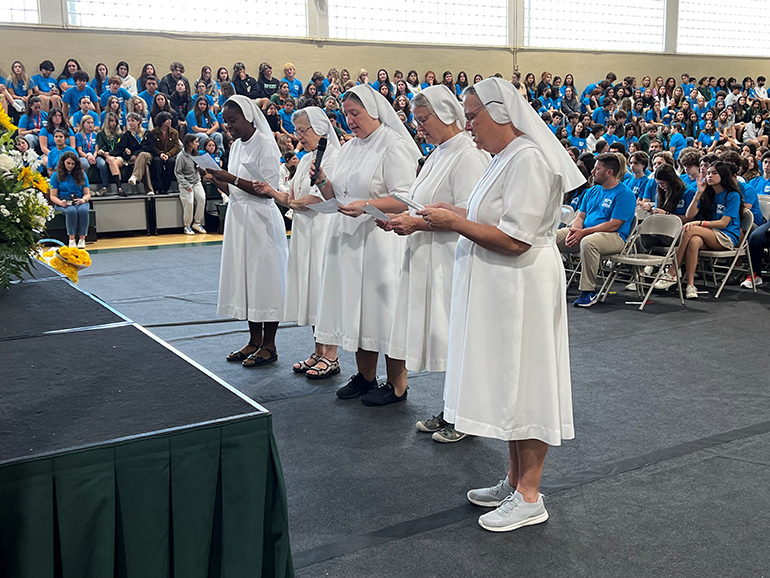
[508,374]
[363,262]
[421,320]
[309,232]
[252,278]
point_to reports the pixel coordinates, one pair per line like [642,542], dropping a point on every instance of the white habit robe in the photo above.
[508,374]
[252,279]
[363,262]
[307,247]
[421,320]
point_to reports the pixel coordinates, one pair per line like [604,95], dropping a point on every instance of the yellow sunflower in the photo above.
[5,120]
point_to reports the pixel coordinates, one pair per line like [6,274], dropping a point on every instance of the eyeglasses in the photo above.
[422,121]
[301,131]
[475,113]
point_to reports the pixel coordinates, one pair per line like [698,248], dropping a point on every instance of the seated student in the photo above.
[244,84]
[210,148]
[550,102]
[594,135]
[754,131]
[45,86]
[267,86]
[113,106]
[318,79]
[7,102]
[128,82]
[203,124]
[211,86]
[164,141]
[281,97]
[677,142]
[639,183]
[29,158]
[70,195]
[116,91]
[181,104]
[657,115]
[286,114]
[65,82]
[430,80]
[604,113]
[32,121]
[81,89]
[602,224]
[310,98]
[289,76]
[716,210]
[85,110]
[56,119]
[226,91]
[150,90]
[191,193]
[759,239]
[672,196]
[137,105]
[133,150]
[689,160]
[160,104]
[737,165]
[274,120]
[223,75]
[168,83]
[341,136]
[100,82]
[147,70]
[578,137]
[650,136]
[708,139]
[60,147]
[287,170]
[610,136]
[18,86]
[107,141]
[201,91]
[85,140]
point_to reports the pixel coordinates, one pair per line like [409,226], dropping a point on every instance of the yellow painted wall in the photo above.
[32,44]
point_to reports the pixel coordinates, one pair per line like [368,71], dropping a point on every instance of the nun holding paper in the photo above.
[363,262]
[508,373]
[252,278]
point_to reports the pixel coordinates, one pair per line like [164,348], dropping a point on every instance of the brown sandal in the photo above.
[303,365]
[332,368]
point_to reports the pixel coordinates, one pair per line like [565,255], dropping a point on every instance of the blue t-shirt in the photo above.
[611,138]
[54,154]
[73,95]
[750,197]
[87,142]
[121,118]
[42,83]
[207,121]
[644,188]
[65,84]
[105,87]
[601,115]
[688,181]
[602,205]
[68,189]
[122,95]
[209,99]
[728,203]
[37,121]
[147,97]
[221,121]
[288,125]
[679,142]
[44,134]
[19,88]
[578,142]
[627,142]
[707,139]
[687,196]
[295,87]
[78,116]
[761,185]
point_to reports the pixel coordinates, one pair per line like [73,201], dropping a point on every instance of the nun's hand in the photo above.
[384,225]
[263,189]
[320,176]
[354,209]
[449,207]
[438,219]
[404,224]
[217,175]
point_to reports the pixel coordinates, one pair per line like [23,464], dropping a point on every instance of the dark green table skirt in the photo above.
[204,502]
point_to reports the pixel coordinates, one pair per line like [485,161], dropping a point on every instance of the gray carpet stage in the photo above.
[667,476]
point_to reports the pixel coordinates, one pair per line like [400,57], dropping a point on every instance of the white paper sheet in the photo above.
[206,162]
[375,212]
[253,169]
[409,201]
[325,207]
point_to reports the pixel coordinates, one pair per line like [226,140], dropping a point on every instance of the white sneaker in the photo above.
[150,193]
[630,287]
[665,282]
[188,231]
[514,513]
[82,244]
[648,270]
[73,244]
[198,228]
[132,180]
[691,292]
[750,283]
[491,497]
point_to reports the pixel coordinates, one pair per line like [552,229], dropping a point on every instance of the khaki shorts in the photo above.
[724,239]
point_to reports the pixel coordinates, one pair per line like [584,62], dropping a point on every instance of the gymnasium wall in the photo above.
[32,44]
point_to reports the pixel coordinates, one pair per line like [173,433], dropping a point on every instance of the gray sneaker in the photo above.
[491,497]
[514,513]
[431,425]
[448,434]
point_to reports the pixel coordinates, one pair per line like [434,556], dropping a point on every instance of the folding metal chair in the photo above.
[764,205]
[668,226]
[709,258]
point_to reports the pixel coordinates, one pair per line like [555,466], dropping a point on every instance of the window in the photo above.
[19,11]
[428,21]
[717,27]
[269,17]
[596,25]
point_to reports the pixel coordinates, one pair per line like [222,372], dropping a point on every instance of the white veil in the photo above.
[377,107]
[252,113]
[505,105]
[445,104]
[321,125]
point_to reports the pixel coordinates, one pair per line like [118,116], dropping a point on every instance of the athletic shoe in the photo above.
[630,287]
[150,193]
[101,192]
[586,299]
[72,244]
[383,395]
[188,231]
[648,269]
[433,424]
[514,513]
[82,244]
[750,283]
[448,435]
[132,180]
[665,282]
[691,292]
[198,228]
[491,497]
[356,387]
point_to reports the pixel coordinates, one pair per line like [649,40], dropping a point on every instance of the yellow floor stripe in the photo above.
[152,241]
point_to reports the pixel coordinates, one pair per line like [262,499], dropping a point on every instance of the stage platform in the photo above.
[120,456]
[667,475]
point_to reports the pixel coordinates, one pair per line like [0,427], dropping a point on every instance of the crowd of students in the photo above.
[112,121]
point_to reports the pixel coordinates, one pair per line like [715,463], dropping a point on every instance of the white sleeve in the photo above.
[466,174]
[269,162]
[398,169]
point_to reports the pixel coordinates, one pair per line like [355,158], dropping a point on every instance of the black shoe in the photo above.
[122,193]
[355,387]
[383,395]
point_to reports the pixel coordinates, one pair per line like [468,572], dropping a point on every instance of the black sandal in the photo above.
[303,365]
[254,360]
[332,368]
[240,355]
